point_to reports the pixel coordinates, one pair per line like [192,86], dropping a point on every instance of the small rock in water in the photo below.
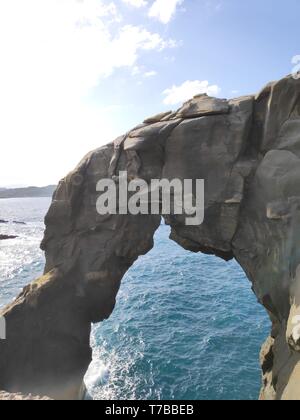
[18,223]
[4,237]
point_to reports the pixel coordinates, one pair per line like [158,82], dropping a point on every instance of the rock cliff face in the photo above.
[248,152]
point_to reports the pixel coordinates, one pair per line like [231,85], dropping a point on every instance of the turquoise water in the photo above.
[186,326]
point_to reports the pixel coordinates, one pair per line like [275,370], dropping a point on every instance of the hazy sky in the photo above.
[74,74]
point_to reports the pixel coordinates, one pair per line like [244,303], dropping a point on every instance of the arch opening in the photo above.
[186,326]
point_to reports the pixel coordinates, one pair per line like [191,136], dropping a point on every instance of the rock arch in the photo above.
[248,152]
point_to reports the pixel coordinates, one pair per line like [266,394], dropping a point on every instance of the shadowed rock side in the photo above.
[248,152]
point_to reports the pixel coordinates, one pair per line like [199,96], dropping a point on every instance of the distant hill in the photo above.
[28,192]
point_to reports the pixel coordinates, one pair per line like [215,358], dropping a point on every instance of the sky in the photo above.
[75,74]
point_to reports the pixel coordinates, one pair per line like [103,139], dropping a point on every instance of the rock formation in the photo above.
[248,152]
[5,237]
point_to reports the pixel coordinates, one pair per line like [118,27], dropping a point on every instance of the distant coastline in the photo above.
[27,192]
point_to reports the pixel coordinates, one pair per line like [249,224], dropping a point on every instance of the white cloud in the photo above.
[151,73]
[164,10]
[53,53]
[124,49]
[214,6]
[136,3]
[135,71]
[188,89]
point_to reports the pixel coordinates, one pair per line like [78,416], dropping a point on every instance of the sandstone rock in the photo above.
[202,105]
[171,116]
[247,151]
[158,117]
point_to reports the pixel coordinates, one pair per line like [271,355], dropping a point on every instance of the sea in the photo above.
[186,326]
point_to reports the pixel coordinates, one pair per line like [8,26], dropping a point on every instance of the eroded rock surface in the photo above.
[248,152]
